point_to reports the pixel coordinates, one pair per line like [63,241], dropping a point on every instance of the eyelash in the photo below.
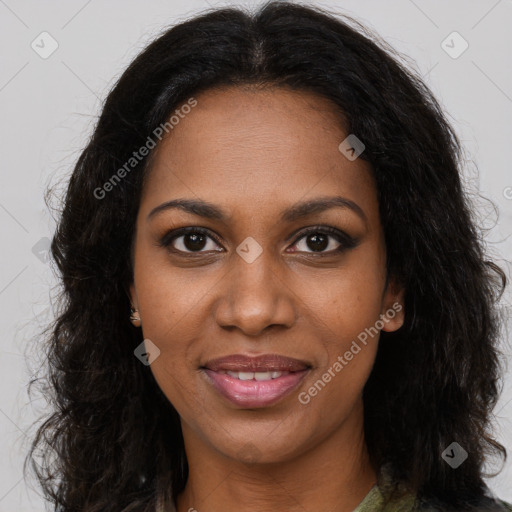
[345,241]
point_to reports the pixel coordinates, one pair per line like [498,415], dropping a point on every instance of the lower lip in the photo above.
[254,393]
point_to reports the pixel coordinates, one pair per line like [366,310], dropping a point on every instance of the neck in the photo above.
[334,474]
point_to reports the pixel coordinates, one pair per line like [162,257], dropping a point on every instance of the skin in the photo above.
[254,153]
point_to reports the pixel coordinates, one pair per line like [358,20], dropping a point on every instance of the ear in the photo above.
[393,311]
[132,295]
[134,311]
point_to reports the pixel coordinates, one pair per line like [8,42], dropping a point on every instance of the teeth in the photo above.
[255,375]
[262,375]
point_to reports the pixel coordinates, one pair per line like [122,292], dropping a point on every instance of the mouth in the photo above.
[255,382]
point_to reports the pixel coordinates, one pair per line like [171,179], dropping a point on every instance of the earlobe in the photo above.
[393,314]
[134,317]
[393,317]
[134,312]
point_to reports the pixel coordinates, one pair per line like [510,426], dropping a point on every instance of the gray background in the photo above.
[49,107]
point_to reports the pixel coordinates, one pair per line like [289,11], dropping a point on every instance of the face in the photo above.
[276,251]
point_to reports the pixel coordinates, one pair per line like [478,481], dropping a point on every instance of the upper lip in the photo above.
[263,363]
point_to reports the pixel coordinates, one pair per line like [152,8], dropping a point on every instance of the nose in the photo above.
[255,296]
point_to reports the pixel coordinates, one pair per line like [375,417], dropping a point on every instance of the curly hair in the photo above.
[113,441]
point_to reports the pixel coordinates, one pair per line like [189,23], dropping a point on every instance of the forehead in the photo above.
[247,146]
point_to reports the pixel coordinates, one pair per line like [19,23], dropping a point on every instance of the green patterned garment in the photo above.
[376,501]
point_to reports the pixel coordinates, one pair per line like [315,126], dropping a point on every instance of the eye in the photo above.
[189,240]
[320,238]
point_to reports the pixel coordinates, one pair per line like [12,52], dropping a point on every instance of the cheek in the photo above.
[351,350]
[349,299]
[171,302]
[170,297]
[349,307]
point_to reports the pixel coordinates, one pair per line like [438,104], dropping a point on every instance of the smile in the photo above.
[255,381]
[254,389]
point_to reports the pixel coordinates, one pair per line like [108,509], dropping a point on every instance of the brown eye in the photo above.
[189,240]
[317,241]
[324,240]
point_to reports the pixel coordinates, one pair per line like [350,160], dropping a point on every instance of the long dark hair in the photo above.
[114,441]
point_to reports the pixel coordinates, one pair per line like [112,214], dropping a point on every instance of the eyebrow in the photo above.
[297,211]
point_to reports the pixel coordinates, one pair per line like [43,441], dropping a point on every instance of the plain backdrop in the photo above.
[49,103]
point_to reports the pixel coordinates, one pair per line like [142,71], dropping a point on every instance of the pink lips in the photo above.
[255,393]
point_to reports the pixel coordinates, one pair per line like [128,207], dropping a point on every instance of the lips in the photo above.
[255,382]
[263,363]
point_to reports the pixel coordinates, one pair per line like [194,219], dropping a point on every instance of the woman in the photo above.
[274,294]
